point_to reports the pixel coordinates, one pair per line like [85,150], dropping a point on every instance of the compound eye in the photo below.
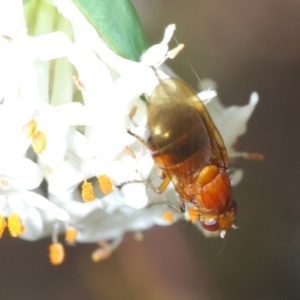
[210,224]
[234,207]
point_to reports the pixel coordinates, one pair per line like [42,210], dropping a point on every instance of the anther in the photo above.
[102,253]
[15,226]
[56,253]
[132,112]
[129,152]
[3,225]
[87,192]
[71,234]
[79,84]
[29,129]
[39,142]
[174,52]
[168,216]
[7,38]
[105,184]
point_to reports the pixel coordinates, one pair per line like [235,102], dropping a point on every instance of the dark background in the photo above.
[244,46]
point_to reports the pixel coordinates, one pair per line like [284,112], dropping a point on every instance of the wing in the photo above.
[184,136]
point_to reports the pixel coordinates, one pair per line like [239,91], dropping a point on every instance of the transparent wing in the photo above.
[182,133]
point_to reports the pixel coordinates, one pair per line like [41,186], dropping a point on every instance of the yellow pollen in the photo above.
[56,253]
[15,226]
[168,216]
[29,129]
[87,192]
[3,225]
[105,184]
[39,142]
[71,235]
[194,214]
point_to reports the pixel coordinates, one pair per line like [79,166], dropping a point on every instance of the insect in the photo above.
[189,151]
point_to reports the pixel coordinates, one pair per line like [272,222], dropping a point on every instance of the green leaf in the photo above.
[26,1]
[117,23]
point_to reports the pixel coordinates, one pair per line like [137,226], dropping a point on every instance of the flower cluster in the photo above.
[65,104]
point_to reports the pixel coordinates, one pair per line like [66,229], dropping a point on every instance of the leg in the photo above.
[137,137]
[148,183]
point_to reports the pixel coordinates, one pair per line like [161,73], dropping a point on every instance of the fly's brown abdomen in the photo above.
[179,138]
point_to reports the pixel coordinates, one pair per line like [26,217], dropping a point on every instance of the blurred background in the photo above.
[244,46]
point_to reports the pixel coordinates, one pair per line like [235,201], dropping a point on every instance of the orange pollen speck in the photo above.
[3,225]
[105,184]
[56,253]
[39,142]
[29,129]
[194,215]
[87,192]
[15,226]
[168,216]
[71,235]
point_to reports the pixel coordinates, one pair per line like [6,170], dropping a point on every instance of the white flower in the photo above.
[76,124]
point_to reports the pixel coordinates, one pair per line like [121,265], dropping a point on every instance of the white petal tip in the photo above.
[254,97]
[168,33]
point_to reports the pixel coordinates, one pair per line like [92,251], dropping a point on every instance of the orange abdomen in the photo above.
[214,190]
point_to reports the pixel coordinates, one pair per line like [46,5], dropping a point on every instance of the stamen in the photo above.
[15,226]
[132,112]
[7,38]
[87,192]
[29,129]
[71,235]
[138,236]
[4,182]
[129,152]
[102,253]
[168,216]
[174,52]
[56,253]
[3,225]
[79,84]
[105,184]
[194,215]
[39,142]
